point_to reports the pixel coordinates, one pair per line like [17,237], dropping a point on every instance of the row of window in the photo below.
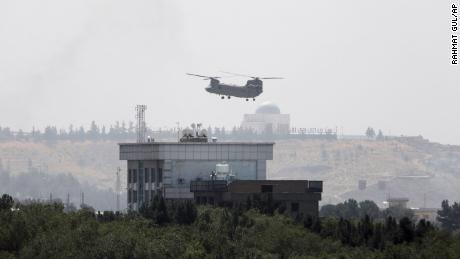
[132,196]
[150,175]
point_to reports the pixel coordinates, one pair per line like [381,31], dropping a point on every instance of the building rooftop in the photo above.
[268,108]
[197,143]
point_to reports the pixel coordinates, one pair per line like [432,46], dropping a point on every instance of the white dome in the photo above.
[268,108]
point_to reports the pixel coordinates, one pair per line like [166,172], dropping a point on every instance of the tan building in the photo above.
[428,214]
[267,120]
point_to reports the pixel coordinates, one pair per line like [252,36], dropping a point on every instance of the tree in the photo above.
[369,208]
[449,216]
[185,213]
[6,202]
[349,210]
[380,135]
[370,133]
[328,211]
[50,134]
[406,230]
[93,131]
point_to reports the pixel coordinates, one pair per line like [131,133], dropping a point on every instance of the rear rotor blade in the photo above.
[253,77]
[235,74]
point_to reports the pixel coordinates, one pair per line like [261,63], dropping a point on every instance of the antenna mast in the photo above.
[140,117]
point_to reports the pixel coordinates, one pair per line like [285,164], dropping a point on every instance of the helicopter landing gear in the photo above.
[222,97]
[254,99]
[228,97]
[247,99]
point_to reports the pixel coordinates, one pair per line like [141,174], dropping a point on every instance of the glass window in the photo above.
[147,174]
[267,188]
[134,196]
[146,197]
[134,172]
[129,175]
[129,196]
[295,207]
[152,175]
[160,175]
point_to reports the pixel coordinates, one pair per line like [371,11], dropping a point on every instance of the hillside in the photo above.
[407,167]
[411,167]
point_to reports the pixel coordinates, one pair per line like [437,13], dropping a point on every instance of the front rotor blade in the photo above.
[271,78]
[207,77]
[196,75]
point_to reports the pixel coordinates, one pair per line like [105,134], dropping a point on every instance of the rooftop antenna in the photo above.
[140,117]
[117,188]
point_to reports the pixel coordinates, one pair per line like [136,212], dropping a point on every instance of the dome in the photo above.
[268,108]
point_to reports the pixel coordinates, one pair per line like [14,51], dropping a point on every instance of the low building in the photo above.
[429,214]
[167,168]
[394,202]
[297,196]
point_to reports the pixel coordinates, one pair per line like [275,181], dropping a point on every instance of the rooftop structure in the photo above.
[397,202]
[297,196]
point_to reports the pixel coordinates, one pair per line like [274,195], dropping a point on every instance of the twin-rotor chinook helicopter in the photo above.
[252,89]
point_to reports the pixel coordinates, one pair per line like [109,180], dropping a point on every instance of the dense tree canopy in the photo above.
[169,230]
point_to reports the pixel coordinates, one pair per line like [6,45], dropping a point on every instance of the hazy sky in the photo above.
[350,64]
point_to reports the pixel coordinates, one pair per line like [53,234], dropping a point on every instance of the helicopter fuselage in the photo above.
[234,90]
[252,89]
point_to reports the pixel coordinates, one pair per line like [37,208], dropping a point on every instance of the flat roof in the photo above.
[199,143]
[209,151]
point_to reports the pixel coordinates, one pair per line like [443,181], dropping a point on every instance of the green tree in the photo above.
[380,135]
[369,208]
[370,133]
[6,202]
[449,216]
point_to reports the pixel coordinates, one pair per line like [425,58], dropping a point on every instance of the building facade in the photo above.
[167,168]
[267,120]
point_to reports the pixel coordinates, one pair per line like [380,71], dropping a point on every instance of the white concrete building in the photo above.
[267,119]
[166,168]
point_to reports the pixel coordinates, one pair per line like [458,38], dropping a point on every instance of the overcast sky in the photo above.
[350,64]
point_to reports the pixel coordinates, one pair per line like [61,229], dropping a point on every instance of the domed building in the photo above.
[267,120]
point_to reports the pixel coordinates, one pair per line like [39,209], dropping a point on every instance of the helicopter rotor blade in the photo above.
[207,77]
[271,78]
[253,77]
[235,74]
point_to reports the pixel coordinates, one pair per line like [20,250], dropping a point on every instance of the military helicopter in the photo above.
[252,89]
